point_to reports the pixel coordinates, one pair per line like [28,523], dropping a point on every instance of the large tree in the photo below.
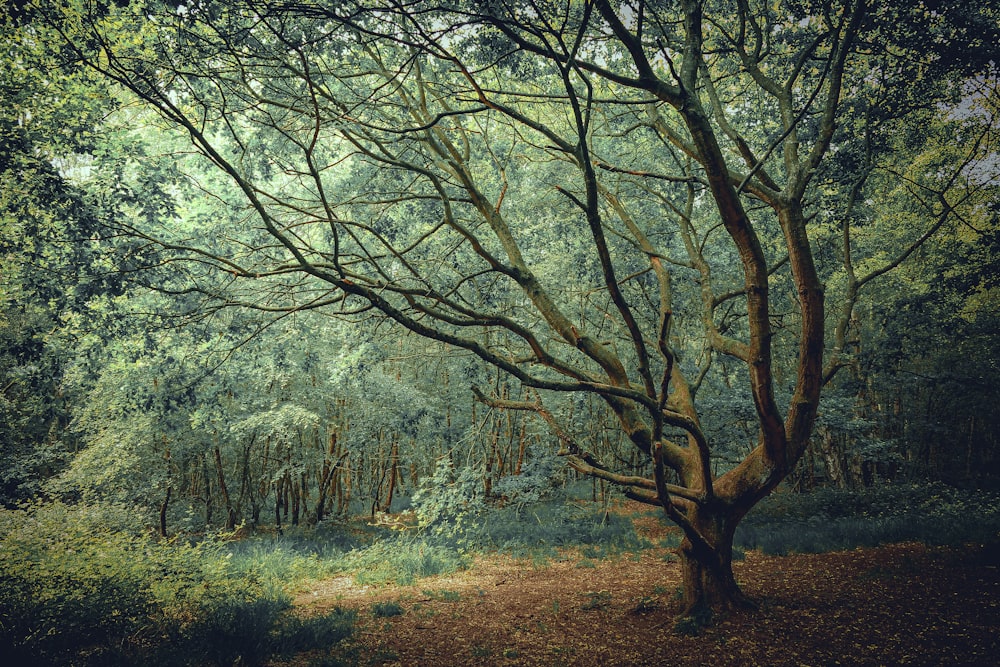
[609,198]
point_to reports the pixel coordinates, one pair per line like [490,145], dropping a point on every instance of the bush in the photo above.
[84,585]
[450,503]
[542,476]
[69,581]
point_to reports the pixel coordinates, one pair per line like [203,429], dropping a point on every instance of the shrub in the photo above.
[68,581]
[84,585]
[450,504]
[541,476]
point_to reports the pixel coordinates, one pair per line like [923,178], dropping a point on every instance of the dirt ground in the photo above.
[905,604]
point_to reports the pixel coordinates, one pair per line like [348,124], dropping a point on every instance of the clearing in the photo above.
[902,604]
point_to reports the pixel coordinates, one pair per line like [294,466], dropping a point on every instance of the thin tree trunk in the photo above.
[163,513]
[277,503]
[393,473]
[224,490]
[326,476]
[207,481]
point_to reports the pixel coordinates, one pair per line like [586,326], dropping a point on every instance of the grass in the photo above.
[375,558]
[539,531]
[401,561]
[443,596]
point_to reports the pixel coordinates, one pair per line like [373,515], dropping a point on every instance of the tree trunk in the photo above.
[224,490]
[163,513]
[393,474]
[278,496]
[327,476]
[709,584]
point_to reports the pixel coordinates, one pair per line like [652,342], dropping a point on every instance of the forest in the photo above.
[339,333]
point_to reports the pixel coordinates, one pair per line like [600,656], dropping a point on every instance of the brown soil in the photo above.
[905,604]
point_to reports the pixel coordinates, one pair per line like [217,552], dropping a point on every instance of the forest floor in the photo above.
[903,604]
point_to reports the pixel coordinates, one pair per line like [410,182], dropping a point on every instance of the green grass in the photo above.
[401,561]
[443,596]
[374,558]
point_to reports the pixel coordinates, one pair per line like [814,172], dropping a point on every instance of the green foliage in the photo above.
[450,504]
[540,478]
[463,224]
[832,519]
[84,585]
[537,517]
[70,580]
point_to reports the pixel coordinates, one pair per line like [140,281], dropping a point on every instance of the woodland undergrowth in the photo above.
[89,585]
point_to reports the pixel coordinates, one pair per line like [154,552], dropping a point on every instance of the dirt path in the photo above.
[895,605]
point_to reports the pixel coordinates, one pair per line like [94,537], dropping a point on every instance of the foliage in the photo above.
[533,515]
[85,585]
[450,503]
[664,232]
[539,479]
[71,579]
[836,519]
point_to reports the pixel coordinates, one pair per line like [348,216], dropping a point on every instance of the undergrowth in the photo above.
[535,518]
[86,585]
[833,519]
[553,524]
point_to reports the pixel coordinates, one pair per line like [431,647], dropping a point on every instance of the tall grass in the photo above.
[373,557]
[402,561]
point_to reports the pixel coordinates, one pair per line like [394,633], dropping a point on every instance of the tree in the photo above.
[616,199]
[55,286]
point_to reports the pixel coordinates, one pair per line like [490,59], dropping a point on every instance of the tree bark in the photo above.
[709,584]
